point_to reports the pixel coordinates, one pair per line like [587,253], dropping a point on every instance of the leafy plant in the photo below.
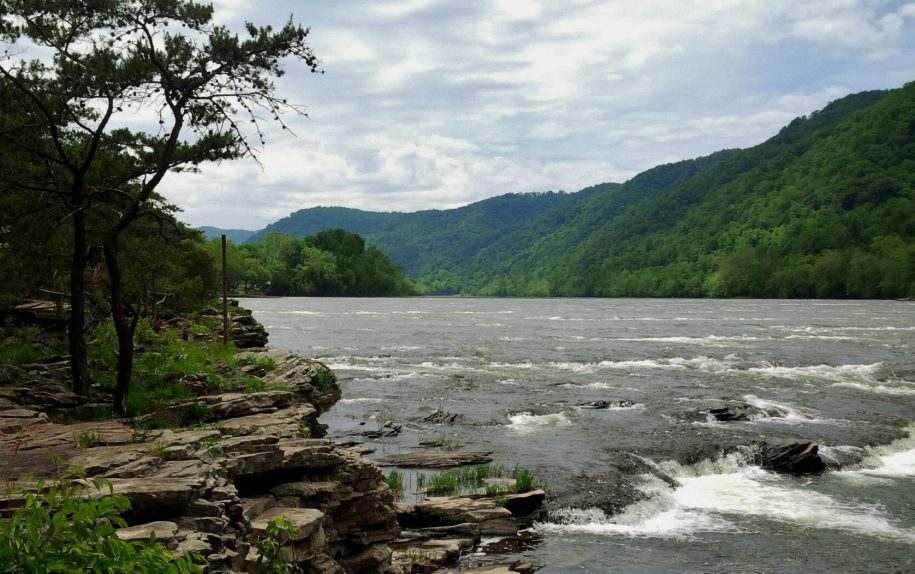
[69,526]
[87,439]
[270,549]
[323,379]
[212,446]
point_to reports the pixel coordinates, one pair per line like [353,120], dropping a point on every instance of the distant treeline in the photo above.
[330,263]
[826,208]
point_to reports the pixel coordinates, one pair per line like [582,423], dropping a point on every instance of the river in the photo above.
[514,374]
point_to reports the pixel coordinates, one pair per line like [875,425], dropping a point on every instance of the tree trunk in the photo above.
[79,360]
[123,327]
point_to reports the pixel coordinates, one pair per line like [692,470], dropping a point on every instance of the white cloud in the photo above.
[427,103]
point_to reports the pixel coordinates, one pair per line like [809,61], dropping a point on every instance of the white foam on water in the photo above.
[834,373]
[312,313]
[700,363]
[709,341]
[895,460]
[722,496]
[782,412]
[524,423]
[351,367]
[524,366]
[900,387]
[573,367]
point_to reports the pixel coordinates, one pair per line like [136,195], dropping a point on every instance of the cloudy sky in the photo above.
[439,103]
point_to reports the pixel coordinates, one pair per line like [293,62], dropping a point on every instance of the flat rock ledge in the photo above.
[212,490]
[255,457]
[439,530]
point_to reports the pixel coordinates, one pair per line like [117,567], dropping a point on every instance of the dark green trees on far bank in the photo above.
[330,263]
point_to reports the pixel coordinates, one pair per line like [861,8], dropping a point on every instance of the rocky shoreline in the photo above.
[250,457]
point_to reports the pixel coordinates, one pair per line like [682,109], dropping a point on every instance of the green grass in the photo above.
[266,363]
[395,481]
[21,347]
[87,439]
[255,385]
[157,449]
[468,479]
[164,353]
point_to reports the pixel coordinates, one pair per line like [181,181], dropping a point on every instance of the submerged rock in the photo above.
[436,459]
[607,405]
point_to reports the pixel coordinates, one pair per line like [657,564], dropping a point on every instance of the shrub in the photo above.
[324,379]
[69,526]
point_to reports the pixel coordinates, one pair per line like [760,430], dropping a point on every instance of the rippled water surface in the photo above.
[516,372]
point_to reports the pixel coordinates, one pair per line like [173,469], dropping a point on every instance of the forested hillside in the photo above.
[826,208]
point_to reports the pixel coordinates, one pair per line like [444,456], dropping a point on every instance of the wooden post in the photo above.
[225,295]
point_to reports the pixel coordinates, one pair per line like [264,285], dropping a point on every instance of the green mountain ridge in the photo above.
[825,208]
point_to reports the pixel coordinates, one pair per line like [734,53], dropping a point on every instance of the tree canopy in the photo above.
[76,76]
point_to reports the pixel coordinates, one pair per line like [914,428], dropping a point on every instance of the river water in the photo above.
[514,374]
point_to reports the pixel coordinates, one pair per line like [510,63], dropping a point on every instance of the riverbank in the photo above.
[207,475]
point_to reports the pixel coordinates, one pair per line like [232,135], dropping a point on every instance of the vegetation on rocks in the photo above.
[71,526]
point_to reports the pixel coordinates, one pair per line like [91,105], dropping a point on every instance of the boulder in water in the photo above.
[791,456]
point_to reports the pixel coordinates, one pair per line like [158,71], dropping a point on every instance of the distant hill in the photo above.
[234,235]
[825,208]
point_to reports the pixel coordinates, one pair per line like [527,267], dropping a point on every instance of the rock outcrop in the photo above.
[791,456]
[213,490]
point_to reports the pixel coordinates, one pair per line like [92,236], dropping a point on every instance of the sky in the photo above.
[434,104]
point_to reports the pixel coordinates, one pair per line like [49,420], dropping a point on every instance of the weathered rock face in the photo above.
[246,331]
[441,529]
[214,490]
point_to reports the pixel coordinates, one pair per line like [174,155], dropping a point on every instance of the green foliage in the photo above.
[271,549]
[324,378]
[468,479]
[69,527]
[212,446]
[524,480]
[331,263]
[157,449]
[22,346]
[255,385]
[826,208]
[87,439]
[395,481]
[165,353]
[194,416]
[266,363]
